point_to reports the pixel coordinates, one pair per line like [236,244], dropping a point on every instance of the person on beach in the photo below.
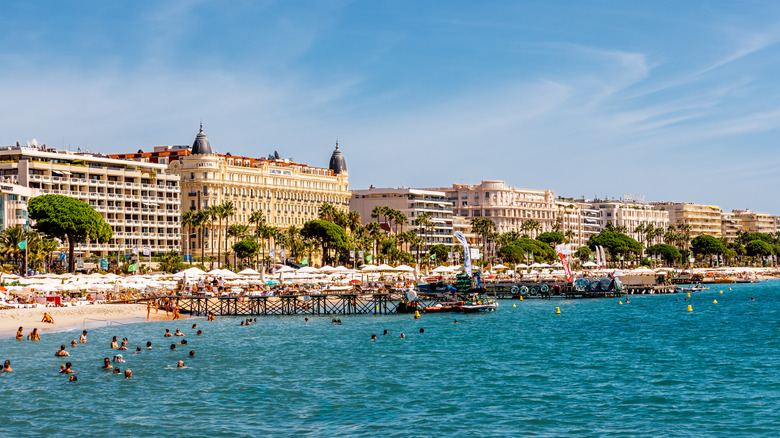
[20,334]
[148,309]
[6,367]
[107,364]
[68,368]
[114,344]
[128,374]
[175,312]
[83,338]
[34,336]
[178,333]
[47,318]
[148,345]
[168,333]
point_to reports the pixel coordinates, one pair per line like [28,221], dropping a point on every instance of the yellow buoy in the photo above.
[521,298]
[377,307]
[557,310]
[417,313]
[721,291]
[714,301]
[729,288]
[620,302]
[689,294]
[514,305]
[690,308]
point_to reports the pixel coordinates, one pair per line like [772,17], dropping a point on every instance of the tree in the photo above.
[202,220]
[669,253]
[171,262]
[515,252]
[551,238]
[226,211]
[583,253]
[440,252]
[213,213]
[188,219]
[257,218]
[615,243]
[758,248]
[62,217]
[245,249]
[704,245]
[330,236]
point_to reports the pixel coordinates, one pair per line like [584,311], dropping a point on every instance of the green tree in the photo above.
[551,238]
[330,235]
[440,252]
[188,219]
[515,252]
[615,243]
[226,211]
[583,253]
[758,248]
[669,253]
[246,249]
[62,217]
[705,245]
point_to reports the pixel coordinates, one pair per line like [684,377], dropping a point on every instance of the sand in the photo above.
[71,318]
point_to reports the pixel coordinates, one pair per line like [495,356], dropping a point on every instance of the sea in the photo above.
[646,367]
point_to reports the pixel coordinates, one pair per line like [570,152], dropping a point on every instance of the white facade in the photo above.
[13,205]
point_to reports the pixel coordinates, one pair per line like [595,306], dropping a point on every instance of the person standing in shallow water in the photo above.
[20,334]
[83,338]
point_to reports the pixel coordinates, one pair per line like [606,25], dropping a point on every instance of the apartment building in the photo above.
[578,221]
[507,206]
[630,214]
[703,219]
[140,201]
[746,221]
[412,203]
[13,204]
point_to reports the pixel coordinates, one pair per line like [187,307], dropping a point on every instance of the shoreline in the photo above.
[75,318]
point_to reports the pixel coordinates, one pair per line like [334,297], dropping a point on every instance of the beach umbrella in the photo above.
[286,268]
[498,267]
[307,270]
[248,271]
[404,268]
[441,269]
[341,269]
[385,267]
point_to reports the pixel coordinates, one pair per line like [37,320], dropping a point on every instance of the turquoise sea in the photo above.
[646,368]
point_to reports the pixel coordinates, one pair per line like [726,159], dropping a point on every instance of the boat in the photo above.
[723,280]
[694,288]
[482,305]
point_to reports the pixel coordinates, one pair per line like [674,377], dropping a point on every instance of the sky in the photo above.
[676,101]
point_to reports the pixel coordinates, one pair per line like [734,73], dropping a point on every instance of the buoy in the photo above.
[521,298]
[729,288]
[620,302]
[721,291]
[377,307]
[714,301]
[514,305]
[557,310]
[417,313]
[689,294]
[690,308]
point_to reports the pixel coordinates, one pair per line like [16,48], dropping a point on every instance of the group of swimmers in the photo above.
[387,332]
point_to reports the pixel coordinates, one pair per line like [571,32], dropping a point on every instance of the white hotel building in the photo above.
[140,201]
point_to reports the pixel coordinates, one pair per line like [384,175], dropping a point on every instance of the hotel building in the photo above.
[629,214]
[703,219]
[580,218]
[13,204]
[412,203]
[508,207]
[288,193]
[140,201]
[746,221]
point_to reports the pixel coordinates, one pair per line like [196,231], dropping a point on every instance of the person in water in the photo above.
[455,322]
[128,374]
[137,350]
[114,344]
[73,343]
[422,330]
[178,333]
[119,358]
[20,334]
[403,335]
[83,337]
[73,378]
[107,364]
[117,370]
[34,336]
[192,353]
[385,333]
[180,364]
[373,338]
[168,333]
[123,346]
[173,346]
[6,367]
[62,351]
[200,332]
[148,345]
[68,368]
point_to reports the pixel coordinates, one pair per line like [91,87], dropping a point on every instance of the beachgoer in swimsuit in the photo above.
[192,353]
[117,370]
[114,344]
[62,351]
[128,374]
[19,334]
[403,336]
[373,338]
[119,358]
[386,332]
[123,346]
[83,338]
[67,369]
[167,333]
[178,333]
[107,364]
[47,318]
[7,367]
[180,364]
[34,336]
[148,345]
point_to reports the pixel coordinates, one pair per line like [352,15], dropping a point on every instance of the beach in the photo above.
[69,318]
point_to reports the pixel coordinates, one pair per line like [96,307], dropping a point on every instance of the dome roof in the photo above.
[337,162]
[201,144]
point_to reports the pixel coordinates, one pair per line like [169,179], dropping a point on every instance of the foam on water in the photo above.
[598,369]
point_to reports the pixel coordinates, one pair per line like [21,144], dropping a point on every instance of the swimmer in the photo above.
[255,320]
[183,342]
[6,367]
[47,318]
[117,370]
[83,337]
[107,364]
[114,343]
[455,322]
[416,317]
[180,364]
[173,346]
[148,345]
[123,346]
[200,332]
[20,334]
[194,326]
[306,319]
[73,343]
[243,322]
[73,378]
[128,374]
[178,333]
[338,322]
[192,353]
[403,336]
[385,333]
[68,368]
[373,338]
[422,330]
[62,351]
[119,358]
[34,336]
[167,333]
[137,350]
[751,299]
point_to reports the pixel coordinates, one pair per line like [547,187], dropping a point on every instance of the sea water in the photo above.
[644,368]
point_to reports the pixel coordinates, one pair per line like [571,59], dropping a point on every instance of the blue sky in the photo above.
[678,101]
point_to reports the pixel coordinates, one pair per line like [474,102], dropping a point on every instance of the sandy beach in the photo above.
[69,318]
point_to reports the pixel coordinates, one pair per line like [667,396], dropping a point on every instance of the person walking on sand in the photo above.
[148,309]
[175,311]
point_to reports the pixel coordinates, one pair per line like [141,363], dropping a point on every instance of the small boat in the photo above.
[694,288]
[483,305]
[723,280]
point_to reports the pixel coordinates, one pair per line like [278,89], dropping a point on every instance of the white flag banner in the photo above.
[563,248]
[466,253]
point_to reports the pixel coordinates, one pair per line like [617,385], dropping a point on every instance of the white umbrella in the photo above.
[589,264]
[538,265]
[326,269]
[190,273]
[369,268]
[248,271]
[521,266]
[404,268]
[307,270]
[385,267]
[286,268]
[442,269]
[341,269]
[500,267]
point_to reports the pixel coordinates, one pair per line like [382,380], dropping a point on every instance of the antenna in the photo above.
[35,143]
[28,143]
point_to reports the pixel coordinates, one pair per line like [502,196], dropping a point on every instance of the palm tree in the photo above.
[10,238]
[227,209]
[354,220]
[213,214]
[380,211]
[423,223]
[375,232]
[202,220]
[257,218]
[188,220]
[569,234]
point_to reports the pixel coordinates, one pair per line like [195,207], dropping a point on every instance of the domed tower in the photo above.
[337,162]
[201,144]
